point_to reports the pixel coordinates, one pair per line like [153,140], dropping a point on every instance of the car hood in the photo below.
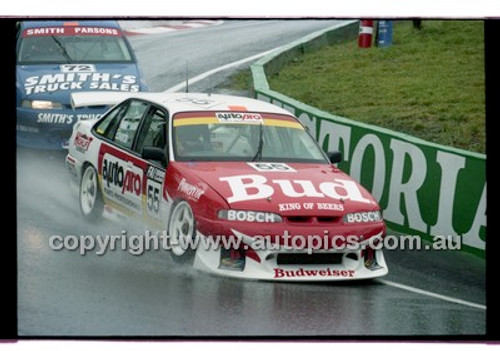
[288,189]
[56,82]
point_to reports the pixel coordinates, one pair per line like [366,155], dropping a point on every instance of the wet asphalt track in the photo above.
[119,294]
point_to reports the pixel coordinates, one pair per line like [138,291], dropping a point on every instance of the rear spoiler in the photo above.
[87,99]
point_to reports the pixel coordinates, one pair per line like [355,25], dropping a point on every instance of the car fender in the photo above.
[203,199]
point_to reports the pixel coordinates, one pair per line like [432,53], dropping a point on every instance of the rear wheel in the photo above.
[91,203]
[181,230]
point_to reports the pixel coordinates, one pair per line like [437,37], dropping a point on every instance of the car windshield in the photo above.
[72,44]
[230,136]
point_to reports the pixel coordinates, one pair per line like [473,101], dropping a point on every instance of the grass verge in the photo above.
[429,84]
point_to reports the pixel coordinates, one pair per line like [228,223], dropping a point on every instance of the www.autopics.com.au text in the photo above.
[137,244]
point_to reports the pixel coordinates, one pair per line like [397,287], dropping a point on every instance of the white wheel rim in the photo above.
[181,228]
[88,190]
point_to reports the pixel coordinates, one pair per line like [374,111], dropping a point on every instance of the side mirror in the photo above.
[334,156]
[154,154]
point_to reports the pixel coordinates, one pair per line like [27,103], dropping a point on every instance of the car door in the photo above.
[153,136]
[119,165]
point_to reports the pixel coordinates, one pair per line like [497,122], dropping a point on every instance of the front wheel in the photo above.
[91,203]
[181,230]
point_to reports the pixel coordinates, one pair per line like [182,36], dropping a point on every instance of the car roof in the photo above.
[58,23]
[180,102]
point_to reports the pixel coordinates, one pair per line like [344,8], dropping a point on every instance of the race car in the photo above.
[56,58]
[240,174]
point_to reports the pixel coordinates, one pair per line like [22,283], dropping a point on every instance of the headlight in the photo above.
[41,104]
[250,216]
[363,217]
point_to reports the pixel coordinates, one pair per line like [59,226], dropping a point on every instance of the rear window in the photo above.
[67,44]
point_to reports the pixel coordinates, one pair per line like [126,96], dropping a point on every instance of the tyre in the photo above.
[91,203]
[182,230]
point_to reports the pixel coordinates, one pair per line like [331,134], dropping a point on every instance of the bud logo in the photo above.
[256,187]
[128,181]
[234,117]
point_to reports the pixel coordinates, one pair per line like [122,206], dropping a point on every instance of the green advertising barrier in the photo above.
[423,188]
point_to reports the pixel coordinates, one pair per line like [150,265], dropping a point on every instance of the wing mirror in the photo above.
[334,156]
[154,154]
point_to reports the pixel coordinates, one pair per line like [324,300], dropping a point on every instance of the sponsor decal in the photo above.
[82,142]
[70,30]
[128,181]
[55,118]
[155,174]
[254,187]
[296,206]
[27,129]
[271,167]
[329,206]
[69,81]
[70,67]
[290,207]
[190,190]
[249,216]
[122,183]
[363,217]
[237,117]
[302,272]
[63,118]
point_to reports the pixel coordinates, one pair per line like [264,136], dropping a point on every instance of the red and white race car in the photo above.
[242,175]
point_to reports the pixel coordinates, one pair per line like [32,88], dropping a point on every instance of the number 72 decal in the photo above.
[77,68]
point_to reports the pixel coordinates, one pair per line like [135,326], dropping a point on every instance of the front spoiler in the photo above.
[268,268]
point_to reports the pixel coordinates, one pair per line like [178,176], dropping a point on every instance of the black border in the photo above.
[9,332]
[8,151]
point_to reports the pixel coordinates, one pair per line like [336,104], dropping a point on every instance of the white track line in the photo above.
[431,294]
[215,70]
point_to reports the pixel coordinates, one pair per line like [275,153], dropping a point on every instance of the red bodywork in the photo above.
[312,199]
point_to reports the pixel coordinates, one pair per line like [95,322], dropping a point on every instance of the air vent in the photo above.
[307,259]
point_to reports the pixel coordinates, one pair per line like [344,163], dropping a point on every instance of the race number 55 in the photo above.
[153,199]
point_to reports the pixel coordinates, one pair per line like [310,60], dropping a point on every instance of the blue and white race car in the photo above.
[57,58]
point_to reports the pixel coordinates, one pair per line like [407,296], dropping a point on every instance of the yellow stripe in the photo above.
[195,121]
[213,120]
[280,123]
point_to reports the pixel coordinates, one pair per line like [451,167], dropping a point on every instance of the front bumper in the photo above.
[287,264]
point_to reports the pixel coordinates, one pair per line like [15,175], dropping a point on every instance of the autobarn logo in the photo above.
[114,174]
[82,142]
[236,117]
[255,187]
